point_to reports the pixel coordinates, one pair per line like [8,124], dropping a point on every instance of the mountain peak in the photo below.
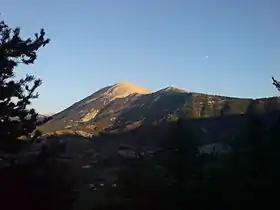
[128,88]
[125,83]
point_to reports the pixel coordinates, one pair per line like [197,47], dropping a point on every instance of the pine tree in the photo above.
[226,110]
[189,108]
[179,158]
[204,110]
[16,117]
[276,83]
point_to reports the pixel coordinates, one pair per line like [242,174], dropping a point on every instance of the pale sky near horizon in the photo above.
[227,47]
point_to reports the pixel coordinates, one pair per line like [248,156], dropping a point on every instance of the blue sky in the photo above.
[151,43]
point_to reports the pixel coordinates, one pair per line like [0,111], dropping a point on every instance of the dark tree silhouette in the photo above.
[204,109]
[179,158]
[189,108]
[276,83]
[16,118]
[226,110]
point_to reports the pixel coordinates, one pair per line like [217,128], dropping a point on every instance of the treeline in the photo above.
[179,177]
[214,106]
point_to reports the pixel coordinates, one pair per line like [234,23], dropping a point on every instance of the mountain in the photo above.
[124,106]
[87,109]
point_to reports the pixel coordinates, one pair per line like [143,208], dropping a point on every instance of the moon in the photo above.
[206,56]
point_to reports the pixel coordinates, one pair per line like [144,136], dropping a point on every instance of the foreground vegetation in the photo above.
[179,177]
[43,183]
